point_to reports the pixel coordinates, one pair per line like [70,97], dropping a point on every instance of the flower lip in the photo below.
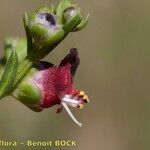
[73,59]
[50,18]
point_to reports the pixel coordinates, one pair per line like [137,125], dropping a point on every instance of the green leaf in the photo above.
[19,44]
[9,75]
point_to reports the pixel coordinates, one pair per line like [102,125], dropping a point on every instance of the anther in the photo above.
[82,93]
[85,99]
[80,106]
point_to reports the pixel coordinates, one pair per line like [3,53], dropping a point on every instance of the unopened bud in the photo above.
[44,31]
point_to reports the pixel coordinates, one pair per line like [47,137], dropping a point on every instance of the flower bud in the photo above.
[47,85]
[44,32]
[71,17]
[46,27]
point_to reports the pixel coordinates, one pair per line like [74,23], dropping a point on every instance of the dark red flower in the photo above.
[55,83]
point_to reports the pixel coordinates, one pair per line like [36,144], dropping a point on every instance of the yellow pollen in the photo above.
[82,93]
[86,99]
[80,106]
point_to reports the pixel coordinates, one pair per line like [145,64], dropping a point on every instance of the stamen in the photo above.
[80,106]
[70,114]
[82,93]
[68,96]
[71,101]
[85,99]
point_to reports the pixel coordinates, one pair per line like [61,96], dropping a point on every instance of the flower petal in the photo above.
[73,59]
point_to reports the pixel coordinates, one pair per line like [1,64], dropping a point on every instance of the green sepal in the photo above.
[82,24]
[51,43]
[53,8]
[63,5]
[44,44]
[39,34]
[43,9]
[9,75]
[72,22]
[27,93]
[43,35]
[28,33]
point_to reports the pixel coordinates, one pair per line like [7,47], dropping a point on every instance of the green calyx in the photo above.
[43,31]
[62,6]
[27,92]
[71,16]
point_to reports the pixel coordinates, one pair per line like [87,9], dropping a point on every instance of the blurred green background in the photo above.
[115,57]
